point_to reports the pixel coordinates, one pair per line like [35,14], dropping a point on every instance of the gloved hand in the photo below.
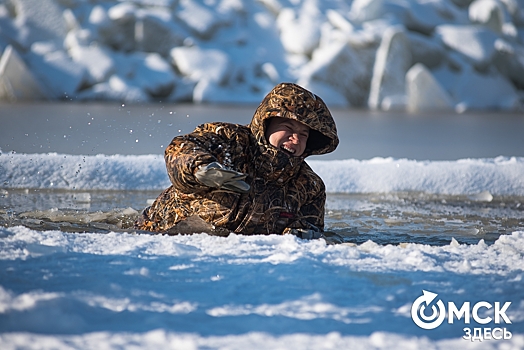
[217,175]
[305,233]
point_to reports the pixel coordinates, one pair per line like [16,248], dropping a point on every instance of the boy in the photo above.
[249,179]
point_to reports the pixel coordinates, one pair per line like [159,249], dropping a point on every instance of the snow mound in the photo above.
[498,176]
[351,53]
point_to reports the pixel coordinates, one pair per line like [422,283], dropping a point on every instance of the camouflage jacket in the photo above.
[285,193]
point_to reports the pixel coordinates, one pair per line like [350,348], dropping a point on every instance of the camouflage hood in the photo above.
[291,101]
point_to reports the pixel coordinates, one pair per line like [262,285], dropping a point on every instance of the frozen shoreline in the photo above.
[496,176]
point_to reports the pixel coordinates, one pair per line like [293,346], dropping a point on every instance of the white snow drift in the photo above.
[468,54]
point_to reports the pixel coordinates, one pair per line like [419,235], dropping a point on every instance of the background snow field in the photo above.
[379,54]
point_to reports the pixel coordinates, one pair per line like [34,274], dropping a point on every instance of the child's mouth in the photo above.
[287,150]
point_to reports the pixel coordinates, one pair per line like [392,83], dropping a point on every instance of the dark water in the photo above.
[87,129]
[393,218]
[355,218]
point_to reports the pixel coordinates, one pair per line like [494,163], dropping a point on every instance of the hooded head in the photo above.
[288,100]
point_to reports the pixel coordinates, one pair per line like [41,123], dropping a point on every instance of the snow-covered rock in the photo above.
[330,95]
[509,60]
[487,12]
[300,29]
[424,17]
[199,18]
[154,75]
[118,31]
[340,67]
[477,43]
[98,62]
[424,93]
[156,31]
[391,65]
[56,69]
[367,10]
[199,64]
[484,91]
[236,51]
[17,83]
[425,50]
[38,20]
[470,89]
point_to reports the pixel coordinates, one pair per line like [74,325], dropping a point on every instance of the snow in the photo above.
[499,176]
[424,92]
[61,290]
[391,65]
[126,289]
[189,292]
[219,51]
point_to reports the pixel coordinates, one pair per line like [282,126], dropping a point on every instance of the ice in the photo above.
[487,12]
[391,65]
[198,64]
[426,50]
[424,92]
[332,46]
[119,290]
[128,288]
[483,196]
[98,62]
[329,67]
[17,82]
[199,18]
[300,28]
[60,74]
[367,10]
[475,43]
[499,176]
[41,20]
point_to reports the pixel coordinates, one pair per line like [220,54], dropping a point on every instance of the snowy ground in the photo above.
[61,290]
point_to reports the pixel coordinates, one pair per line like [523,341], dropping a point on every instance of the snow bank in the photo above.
[501,258]
[352,53]
[498,176]
[120,290]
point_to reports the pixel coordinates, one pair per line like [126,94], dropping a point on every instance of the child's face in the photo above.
[287,135]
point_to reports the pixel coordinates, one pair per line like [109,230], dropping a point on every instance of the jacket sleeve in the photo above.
[185,154]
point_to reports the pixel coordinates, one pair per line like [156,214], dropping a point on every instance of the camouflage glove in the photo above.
[217,175]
